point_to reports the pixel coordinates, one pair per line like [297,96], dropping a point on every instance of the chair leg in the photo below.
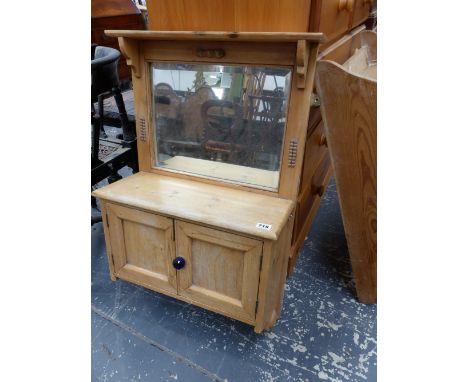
[101,98]
[96,122]
[128,133]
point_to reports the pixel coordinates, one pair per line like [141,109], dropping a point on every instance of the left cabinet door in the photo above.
[142,247]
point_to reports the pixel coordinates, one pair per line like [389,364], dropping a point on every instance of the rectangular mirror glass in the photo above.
[223,122]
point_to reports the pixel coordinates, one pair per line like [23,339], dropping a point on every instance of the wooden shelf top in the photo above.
[218,36]
[219,207]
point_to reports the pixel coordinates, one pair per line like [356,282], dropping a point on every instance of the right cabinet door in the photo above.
[221,270]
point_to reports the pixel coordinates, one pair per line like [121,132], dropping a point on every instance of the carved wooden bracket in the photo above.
[302,60]
[130,49]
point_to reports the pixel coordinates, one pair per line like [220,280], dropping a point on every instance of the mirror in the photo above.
[225,122]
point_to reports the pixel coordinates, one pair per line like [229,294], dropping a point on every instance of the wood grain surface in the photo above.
[349,109]
[217,36]
[221,271]
[240,15]
[216,206]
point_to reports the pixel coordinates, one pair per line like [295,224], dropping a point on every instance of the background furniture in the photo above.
[105,84]
[214,231]
[331,17]
[347,85]
[114,14]
[335,18]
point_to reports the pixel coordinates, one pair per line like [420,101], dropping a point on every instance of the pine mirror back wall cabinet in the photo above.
[230,175]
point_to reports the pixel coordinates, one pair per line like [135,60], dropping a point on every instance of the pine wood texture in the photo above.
[332,17]
[276,48]
[255,52]
[272,279]
[342,49]
[361,12]
[232,15]
[298,51]
[298,117]
[226,171]
[349,109]
[216,206]
[221,271]
[218,36]
[142,247]
[233,267]
[308,203]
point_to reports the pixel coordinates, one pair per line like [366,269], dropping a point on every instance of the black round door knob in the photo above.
[178,262]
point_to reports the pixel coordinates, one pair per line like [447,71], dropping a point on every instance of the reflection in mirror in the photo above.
[221,121]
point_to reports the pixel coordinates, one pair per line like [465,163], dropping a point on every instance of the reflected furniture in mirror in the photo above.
[224,150]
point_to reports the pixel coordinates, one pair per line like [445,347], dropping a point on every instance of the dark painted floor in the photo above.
[322,334]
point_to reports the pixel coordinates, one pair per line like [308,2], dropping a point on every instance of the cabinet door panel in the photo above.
[221,271]
[331,17]
[142,247]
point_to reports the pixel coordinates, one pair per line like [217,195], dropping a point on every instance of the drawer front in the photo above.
[221,271]
[142,247]
[218,52]
[313,191]
[331,17]
[361,12]
[314,151]
[314,117]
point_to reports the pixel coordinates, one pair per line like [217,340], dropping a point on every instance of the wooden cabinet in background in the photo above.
[114,14]
[361,12]
[228,15]
[331,17]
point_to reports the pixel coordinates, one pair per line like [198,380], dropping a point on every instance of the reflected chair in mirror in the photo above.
[167,107]
[180,122]
[191,114]
[224,135]
[266,121]
[167,100]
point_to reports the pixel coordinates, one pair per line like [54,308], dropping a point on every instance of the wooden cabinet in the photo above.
[228,15]
[150,244]
[114,14]
[361,12]
[221,271]
[331,17]
[228,168]
[142,247]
